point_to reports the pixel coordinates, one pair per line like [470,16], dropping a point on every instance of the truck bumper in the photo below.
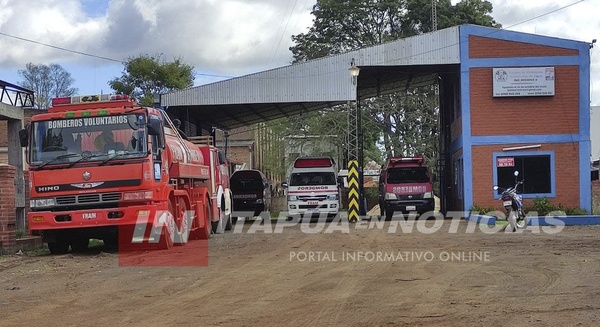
[244,209]
[40,221]
[325,208]
[406,206]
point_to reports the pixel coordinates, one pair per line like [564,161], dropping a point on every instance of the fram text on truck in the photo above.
[104,167]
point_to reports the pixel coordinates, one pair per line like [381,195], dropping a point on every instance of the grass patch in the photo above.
[19,233]
[38,252]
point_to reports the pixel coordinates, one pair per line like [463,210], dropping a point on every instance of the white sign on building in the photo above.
[524,81]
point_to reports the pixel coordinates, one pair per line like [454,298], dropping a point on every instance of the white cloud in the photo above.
[221,37]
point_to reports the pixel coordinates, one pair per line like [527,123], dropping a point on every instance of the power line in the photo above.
[544,14]
[60,48]
[88,54]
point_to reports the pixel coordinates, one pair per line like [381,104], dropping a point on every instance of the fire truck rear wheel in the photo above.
[217,226]
[204,232]
[227,217]
[229,223]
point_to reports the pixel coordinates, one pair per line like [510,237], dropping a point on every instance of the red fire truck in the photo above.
[103,167]
[405,185]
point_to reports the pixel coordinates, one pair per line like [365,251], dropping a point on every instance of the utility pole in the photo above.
[434,15]
[355,196]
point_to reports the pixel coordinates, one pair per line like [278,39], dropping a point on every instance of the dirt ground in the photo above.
[355,277]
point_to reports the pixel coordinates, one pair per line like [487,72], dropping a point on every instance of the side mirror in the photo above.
[222,159]
[284,184]
[23,137]
[516,173]
[154,127]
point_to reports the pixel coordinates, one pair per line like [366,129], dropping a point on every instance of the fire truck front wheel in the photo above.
[58,247]
[183,222]
[166,232]
[80,243]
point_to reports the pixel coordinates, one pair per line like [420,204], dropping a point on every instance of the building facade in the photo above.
[524,106]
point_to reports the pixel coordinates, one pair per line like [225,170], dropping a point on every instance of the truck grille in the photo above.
[316,206]
[312,198]
[87,198]
[410,197]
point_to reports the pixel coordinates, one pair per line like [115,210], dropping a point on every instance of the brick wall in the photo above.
[240,154]
[558,114]
[485,47]
[596,197]
[7,206]
[566,160]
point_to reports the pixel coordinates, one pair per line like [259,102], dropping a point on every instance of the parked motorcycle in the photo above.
[513,204]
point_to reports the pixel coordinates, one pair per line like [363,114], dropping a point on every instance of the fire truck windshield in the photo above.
[84,139]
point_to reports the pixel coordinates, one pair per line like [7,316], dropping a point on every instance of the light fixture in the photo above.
[354,71]
[523,147]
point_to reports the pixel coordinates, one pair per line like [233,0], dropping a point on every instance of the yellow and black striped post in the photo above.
[353,208]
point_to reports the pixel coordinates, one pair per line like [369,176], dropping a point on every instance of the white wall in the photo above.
[595,132]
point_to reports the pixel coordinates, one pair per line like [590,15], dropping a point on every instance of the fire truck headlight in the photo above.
[332,197]
[292,198]
[258,201]
[40,203]
[427,195]
[391,196]
[143,195]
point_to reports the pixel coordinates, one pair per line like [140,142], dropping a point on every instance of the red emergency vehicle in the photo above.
[104,167]
[405,185]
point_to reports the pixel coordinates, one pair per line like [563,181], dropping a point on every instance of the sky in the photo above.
[221,38]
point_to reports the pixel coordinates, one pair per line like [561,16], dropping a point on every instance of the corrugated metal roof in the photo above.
[319,83]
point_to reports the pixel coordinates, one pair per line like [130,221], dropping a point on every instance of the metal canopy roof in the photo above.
[319,83]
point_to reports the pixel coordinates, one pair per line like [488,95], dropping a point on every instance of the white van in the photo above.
[313,190]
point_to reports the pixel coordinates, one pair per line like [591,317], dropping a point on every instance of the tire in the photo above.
[79,244]
[217,226]
[228,224]
[111,243]
[58,247]
[167,233]
[516,220]
[389,214]
[182,223]
[203,233]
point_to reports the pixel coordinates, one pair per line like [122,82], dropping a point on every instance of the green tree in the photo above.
[403,123]
[47,82]
[145,75]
